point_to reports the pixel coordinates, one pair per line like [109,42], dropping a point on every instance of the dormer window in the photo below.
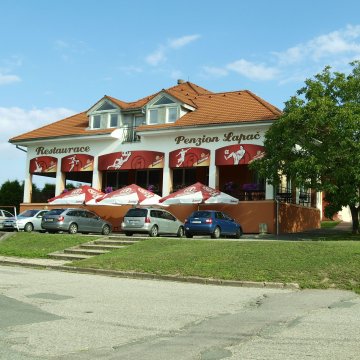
[164,110]
[106,115]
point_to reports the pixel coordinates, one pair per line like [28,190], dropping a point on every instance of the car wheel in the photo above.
[128,233]
[106,230]
[180,232]
[154,231]
[216,234]
[188,235]
[73,228]
[238,233]
[28,227]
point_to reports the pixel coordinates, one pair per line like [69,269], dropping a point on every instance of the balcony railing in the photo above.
[128,134]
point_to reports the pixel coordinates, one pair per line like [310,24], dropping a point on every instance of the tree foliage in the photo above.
[11,194]
[316,140]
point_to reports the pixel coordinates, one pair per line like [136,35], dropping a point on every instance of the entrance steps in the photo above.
[94,248]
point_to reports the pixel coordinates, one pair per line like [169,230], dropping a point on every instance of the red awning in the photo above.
[126,160]
[43,164]
[238,154]
[77,162]
[189,157]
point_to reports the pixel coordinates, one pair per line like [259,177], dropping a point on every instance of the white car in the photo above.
[28,221]
[4,215]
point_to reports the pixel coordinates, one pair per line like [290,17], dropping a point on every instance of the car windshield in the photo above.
[55,212]
[137,213]
[28,213]
[201,214]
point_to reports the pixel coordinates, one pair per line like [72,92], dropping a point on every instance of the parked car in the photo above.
[28,220]
[152,221]
[73,221]
[4,215]
[213,223]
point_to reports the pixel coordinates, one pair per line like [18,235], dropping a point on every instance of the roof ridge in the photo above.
[270,107]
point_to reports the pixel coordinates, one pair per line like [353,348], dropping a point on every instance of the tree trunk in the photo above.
[355,218]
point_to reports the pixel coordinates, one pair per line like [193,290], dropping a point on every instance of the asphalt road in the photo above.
[46,314]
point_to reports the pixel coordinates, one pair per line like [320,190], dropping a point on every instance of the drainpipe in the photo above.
[20,148]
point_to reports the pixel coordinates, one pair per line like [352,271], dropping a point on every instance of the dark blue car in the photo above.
[213,223]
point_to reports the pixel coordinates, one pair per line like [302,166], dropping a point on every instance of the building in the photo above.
[169,140]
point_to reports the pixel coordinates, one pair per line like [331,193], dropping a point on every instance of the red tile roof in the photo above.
[211,108]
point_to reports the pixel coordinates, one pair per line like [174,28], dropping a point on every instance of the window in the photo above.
[106,106]
[172,114]
[164,110]
[153,116]
[163,101]
[113,120]
[96,123]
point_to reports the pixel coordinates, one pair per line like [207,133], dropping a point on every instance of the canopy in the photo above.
[129,195]
[198,194]
[83,195]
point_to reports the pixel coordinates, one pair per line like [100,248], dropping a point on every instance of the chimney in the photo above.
[180,81]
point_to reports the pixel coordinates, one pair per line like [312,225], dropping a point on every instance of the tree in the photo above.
[11,194]
[316,140]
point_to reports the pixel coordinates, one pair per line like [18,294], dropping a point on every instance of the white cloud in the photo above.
[16,121]
[340,42]
[215,71]
[182,41]
[159,56]
[8,79]
[253,71]
[156,57]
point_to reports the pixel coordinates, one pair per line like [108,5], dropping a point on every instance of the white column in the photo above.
[269,191]
[96,176]
[60,180]
[167,178]
[213,172]
[27,188]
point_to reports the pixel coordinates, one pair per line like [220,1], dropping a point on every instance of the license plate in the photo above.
[196,222]
[49,220]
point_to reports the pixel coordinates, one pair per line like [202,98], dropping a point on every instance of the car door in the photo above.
[171,223]
[230,224]
[36,220]
[94,223]
[223,222]
[156,215]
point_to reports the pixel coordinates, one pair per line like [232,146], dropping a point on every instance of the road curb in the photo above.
[148,276]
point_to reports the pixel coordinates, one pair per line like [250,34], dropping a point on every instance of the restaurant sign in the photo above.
[227,137]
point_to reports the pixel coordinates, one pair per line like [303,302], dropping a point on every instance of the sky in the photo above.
[58,58]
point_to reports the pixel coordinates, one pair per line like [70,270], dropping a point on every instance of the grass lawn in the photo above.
[329,224]
[334,263]
[35,245]
[311,264]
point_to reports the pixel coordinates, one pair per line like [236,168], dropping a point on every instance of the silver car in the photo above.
[152,221]
[4,215]
[73,221]
[28,221]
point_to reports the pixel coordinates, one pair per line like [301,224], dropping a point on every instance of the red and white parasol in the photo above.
[129,195]
[83,195]
[198,194]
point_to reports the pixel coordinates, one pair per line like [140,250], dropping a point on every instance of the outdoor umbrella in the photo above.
[129,195]
[83,195]
[198,194]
